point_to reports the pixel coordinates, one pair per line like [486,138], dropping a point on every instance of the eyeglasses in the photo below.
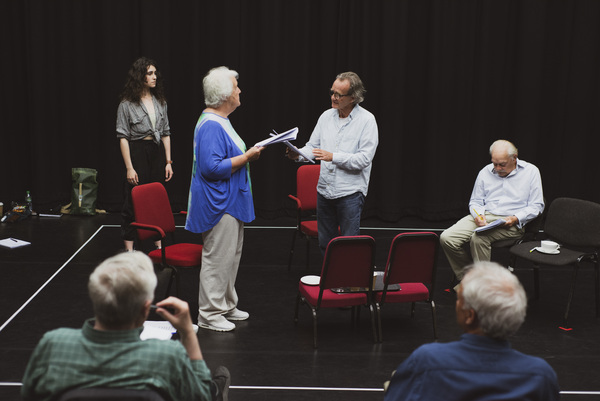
[336,95]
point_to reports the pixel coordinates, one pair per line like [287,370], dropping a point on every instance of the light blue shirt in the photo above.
[353,142]
[518,194]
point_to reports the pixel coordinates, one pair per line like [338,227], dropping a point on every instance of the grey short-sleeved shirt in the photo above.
[133,121]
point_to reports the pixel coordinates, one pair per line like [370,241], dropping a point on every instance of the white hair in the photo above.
[496,296]
[217,86]
[120,286]
[511,149]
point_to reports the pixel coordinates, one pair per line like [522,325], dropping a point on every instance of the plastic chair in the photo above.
[154,220]
[106,394]
[307,177]
[412,263]
[575,224]
[348,263]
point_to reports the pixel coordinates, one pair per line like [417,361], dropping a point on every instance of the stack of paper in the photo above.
[13,242]
[161,330]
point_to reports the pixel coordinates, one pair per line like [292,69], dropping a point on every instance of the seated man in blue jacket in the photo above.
[490,306]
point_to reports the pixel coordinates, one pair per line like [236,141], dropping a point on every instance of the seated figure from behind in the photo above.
[490,306]
[509,189]
[108,352]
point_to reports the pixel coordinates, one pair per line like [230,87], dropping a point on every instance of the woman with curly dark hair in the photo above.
[144,135]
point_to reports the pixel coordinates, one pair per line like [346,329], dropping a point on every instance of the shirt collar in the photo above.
[519,166]
[110,336]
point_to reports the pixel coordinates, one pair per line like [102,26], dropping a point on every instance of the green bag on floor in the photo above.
[85,191]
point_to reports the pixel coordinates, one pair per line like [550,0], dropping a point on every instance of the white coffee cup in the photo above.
[549,246]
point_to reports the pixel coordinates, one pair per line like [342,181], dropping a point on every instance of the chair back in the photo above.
[307,178]
[349,262]
[574,222]
[151,206]
[412,259]
[106,394]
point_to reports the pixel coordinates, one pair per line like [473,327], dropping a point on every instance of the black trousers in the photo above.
[148,159]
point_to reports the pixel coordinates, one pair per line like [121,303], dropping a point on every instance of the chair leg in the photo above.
[314,312]
[378,310]
[373,327]
[435,335]
[571,291]
[171,276]
[292,250]
[597,287]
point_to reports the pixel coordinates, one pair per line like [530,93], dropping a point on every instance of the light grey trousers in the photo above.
[220,262]
[454,242]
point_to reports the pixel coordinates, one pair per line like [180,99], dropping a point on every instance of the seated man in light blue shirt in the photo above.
[344,140]
[508,189]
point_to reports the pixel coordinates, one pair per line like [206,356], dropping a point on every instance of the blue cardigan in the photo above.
[214,190]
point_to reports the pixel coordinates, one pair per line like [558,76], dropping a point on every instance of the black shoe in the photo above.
[221,380]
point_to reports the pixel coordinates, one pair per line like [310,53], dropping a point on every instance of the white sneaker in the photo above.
[221,324]
[237,314]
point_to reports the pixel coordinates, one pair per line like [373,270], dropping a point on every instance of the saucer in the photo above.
[310,280]
[554,252]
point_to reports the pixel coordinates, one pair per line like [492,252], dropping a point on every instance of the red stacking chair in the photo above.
[307,177]
[154,220]
[349,263]
[412,264]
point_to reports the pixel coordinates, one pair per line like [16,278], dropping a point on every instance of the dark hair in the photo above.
[136,78]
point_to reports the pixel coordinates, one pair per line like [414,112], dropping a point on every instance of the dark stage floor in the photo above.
[43,287]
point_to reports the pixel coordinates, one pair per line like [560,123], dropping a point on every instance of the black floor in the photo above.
[43,286]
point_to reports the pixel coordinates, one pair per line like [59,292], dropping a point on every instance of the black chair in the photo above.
[109,394]
[575,224]
[531,233]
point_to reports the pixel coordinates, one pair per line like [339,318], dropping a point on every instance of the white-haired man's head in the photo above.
[494,298]
[120,289]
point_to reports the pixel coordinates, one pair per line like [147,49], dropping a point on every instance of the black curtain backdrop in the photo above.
[445,78]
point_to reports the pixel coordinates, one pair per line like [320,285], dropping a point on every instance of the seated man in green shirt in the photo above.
[108,352]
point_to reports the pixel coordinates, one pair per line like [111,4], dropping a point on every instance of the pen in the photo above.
[478,215]
[155,307]
[12,239]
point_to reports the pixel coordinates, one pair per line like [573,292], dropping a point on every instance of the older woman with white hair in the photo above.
[220,200]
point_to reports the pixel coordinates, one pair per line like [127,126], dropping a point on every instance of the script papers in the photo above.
[285,138]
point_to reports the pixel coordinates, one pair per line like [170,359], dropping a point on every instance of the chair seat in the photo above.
[309,227]
[331,299]
[409,292]
[565,257]
[180,255]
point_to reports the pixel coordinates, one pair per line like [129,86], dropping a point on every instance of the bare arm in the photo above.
[132,176]
[166,140]
[182,321]
[251,155]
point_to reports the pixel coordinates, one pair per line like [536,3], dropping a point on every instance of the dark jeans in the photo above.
[342,212]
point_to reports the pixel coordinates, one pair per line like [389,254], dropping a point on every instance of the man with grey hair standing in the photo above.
[344,141]
[490,306]
[508,190]
[108,351]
